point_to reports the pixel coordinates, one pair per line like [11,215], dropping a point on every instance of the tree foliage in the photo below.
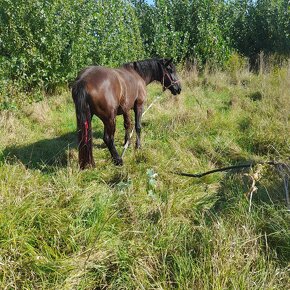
[115,28]
[44,43]
[255,26]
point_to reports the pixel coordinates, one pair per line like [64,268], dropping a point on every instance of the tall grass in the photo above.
[141,226]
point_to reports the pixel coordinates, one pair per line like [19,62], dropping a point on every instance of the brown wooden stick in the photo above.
[198,175]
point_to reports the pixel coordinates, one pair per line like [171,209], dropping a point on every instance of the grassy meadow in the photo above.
[140,226]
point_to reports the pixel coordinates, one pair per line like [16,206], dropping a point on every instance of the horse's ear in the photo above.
[135,65]
[168,62]
[160,63]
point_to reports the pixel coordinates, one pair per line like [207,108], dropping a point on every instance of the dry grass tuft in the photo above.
[38,112]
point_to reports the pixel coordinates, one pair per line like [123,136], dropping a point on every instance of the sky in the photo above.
[150,1]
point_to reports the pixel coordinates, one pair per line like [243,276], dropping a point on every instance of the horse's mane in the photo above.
[147,67]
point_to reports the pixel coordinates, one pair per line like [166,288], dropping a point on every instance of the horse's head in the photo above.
[169,78]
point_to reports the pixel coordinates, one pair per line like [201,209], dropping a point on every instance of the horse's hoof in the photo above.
[118,162]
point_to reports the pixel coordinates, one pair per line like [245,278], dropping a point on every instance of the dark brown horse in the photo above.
[107,92]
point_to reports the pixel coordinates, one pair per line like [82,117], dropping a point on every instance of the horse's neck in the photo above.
[149,79]
[150,74]
[154,77]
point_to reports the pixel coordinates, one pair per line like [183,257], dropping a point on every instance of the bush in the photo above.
[45,43]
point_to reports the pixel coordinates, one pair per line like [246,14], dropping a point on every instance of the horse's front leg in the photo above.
[109,132]
[138,110]
[127,125]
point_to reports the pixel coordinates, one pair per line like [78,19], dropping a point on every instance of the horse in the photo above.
[108,92]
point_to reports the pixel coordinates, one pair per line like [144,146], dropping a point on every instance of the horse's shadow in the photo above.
[47,153]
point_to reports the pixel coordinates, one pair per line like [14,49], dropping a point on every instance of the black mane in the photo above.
[148,69]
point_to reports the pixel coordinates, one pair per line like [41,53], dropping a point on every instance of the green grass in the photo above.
[128,228]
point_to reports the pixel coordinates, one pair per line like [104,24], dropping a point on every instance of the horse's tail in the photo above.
[83,113]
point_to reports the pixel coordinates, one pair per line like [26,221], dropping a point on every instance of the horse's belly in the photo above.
[126,104]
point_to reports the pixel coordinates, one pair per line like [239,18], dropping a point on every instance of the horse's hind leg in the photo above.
[127,125]
[138,110]
[109,132]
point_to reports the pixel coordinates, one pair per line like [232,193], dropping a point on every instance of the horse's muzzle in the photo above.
[176,90]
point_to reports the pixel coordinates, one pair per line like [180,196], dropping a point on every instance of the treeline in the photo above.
[44,43]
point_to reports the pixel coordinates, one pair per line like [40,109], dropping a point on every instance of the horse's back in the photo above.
[112,90]
[95,76]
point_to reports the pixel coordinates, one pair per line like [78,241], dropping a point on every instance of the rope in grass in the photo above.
[199,175]
[281,168]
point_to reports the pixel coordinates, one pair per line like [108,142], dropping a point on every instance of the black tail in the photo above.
[83,112]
